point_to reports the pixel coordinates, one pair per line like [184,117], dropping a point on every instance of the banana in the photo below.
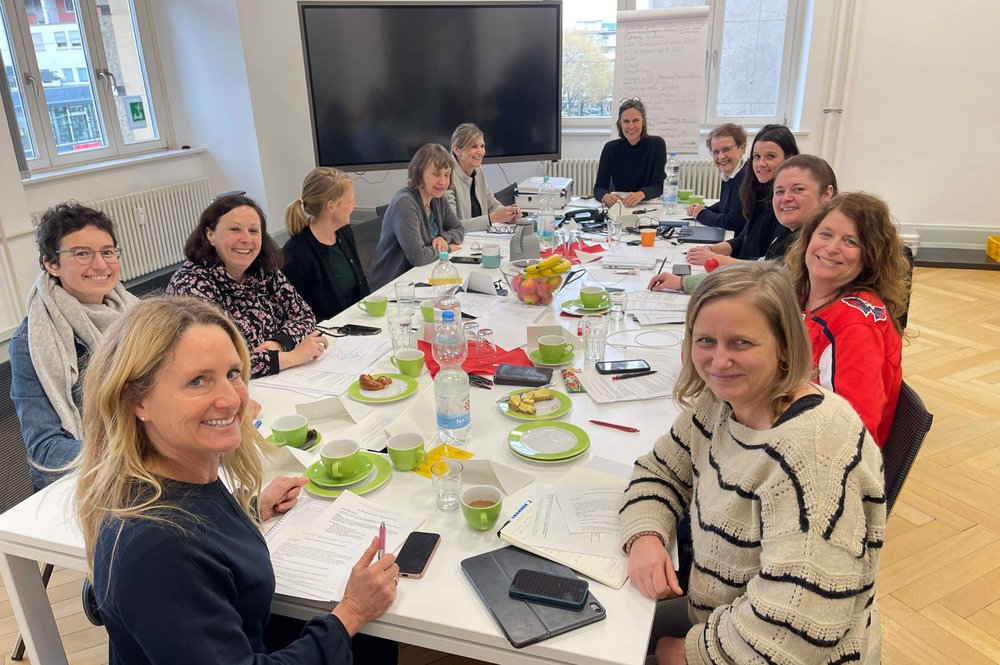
[549,262]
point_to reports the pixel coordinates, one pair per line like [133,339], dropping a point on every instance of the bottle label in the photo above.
[445,421]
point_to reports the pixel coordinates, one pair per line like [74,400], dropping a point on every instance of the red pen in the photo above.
[381,540]
[624,428]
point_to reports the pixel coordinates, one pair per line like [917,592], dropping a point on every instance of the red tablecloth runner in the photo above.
[474,365]
[574,248]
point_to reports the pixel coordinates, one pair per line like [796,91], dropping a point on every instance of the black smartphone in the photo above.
[681,269]
[538,587]
[466,259]
[416,553]
[621,366]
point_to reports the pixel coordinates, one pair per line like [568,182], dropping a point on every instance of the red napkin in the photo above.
[473,365]
[578,246]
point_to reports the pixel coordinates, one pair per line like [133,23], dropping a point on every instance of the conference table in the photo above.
[441,611]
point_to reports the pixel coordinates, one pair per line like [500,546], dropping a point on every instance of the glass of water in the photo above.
[446,476]
[406,297]
[595,337]
[619,301]
[401,332]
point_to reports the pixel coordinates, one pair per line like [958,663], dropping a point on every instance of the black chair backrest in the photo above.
[908,253]
[909,427]
[15,482]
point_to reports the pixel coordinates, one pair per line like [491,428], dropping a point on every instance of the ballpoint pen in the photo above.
[632,375]
[381,540]
[624,428]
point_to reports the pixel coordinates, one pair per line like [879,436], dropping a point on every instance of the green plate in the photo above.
[306,445]
[383,470]
[551,461]
[576,308]
[547,410]
[317,474]
[548,441]
[400,388]
[536,357]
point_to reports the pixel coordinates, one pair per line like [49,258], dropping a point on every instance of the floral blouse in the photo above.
[265,307]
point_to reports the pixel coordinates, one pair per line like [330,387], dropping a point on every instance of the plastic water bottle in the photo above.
[451,385]
[444,275]
[545,220]
[670,183]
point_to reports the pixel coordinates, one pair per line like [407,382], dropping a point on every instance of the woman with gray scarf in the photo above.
[76,297]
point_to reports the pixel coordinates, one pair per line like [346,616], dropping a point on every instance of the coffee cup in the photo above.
[552,348]
[406,451]
[684,194]
[647,237]
[290,430]
[481,505]
[427,311]
[491,256]
[697,199]
[593,296]
[374,305]
[340,458]
[410,362]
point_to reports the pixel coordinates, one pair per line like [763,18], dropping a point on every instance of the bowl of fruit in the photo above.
[535,281]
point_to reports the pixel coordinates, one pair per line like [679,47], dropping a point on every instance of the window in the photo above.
[94,98]
[751,64]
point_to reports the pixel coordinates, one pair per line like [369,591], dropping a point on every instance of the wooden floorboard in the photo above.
[939,583]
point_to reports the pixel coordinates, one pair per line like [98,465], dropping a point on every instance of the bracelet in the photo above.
[631,541]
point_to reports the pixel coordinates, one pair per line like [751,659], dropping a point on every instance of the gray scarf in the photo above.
[55,320]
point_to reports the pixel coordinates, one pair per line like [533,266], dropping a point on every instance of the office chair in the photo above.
[908,253]
[910,425]
[15,481]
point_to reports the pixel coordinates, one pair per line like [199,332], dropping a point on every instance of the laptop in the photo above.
[700,235]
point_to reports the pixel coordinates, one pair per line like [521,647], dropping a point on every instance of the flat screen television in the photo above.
[386,78]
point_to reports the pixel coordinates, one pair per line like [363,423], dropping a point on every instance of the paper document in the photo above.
[603,389]
[334,371]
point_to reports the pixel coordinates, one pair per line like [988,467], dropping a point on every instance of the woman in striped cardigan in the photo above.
[784,485]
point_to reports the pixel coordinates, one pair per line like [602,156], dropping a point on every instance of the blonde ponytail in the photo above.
[295,218]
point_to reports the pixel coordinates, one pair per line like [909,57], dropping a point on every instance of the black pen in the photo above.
[662,263]
[632,375]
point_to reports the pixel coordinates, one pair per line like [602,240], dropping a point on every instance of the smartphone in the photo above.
[538,587]
[621,366]
[681,269]
[416,553]
[466,259]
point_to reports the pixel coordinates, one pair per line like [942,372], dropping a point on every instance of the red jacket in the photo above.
[858,353]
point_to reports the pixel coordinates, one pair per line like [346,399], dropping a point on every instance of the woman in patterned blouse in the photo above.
[232,261]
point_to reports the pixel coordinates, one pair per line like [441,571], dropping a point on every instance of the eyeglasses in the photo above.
[723,151]
[85,255]
[630,99]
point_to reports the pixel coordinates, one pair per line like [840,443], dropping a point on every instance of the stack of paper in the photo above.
[334,371]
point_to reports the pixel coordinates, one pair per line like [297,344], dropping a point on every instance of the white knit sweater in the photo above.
[787,526]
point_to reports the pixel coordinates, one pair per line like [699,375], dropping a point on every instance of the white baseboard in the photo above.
[950,236]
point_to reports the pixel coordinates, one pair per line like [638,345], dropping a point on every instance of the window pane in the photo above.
[588,57]
[67,103]
[121,43]
[753,44]
[14,82]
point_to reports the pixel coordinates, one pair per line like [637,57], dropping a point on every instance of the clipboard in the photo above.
[524,623]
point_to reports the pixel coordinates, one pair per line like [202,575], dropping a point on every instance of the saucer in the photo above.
[576,308]
[317,474]
[536,357]
[383,471]
[313,439]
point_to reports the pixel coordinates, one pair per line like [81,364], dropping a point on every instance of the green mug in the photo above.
[552,348]
[481,506]
[340,458]
[593,296]
[697,199]
[290,430]
[374,305]
[683,195]
[406,451]
[410,362]
[427,311]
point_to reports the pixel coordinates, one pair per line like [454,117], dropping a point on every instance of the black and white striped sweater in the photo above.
[787,526]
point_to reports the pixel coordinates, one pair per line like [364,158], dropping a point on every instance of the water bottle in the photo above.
[545,220]
[451,385]
[447,303]
[670,183]
[444,275]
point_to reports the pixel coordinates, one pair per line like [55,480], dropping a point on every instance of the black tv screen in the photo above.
[386,78]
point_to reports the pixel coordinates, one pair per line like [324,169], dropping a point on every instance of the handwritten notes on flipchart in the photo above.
[660,57]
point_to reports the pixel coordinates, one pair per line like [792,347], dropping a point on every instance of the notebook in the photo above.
[524,623]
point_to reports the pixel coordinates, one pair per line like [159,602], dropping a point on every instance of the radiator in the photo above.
[697,174]
[153,224]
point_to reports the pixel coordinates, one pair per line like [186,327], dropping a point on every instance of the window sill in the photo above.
[108,165]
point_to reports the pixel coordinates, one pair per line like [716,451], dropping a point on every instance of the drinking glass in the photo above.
[619,300]
[446,477]
[595,337]
[406,296]
[471,330]
[486,350]
[401,332]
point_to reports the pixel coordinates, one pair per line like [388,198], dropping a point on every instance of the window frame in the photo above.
[792,56]
[40,122]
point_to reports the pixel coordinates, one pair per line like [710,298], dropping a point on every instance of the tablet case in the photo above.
[702,235]
[524,623]
[518,375]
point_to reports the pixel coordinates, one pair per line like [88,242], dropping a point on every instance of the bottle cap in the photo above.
[443,256]
[447,316]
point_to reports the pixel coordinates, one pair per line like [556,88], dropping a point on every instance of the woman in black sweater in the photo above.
[632,166]
[321,259]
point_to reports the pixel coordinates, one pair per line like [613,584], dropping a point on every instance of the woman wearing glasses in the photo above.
[76,297]
[728,145]
[632,166]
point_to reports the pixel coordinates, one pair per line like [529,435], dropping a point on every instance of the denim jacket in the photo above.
[48,444]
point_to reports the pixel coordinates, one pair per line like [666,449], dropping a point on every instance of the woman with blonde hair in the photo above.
[321,257]
[470,195]
[166,405]
[852,281]
[783,483]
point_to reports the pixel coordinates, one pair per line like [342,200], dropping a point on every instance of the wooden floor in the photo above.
[939,584]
